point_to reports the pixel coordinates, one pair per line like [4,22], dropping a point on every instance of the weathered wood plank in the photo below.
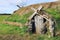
[39,24]
[34,12]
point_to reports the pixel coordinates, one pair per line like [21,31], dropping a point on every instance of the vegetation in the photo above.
[11,29]
[19,18]
[56,15]
[3,17]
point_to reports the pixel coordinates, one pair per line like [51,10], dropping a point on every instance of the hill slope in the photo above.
[8,31]
[46,5]
[22,14]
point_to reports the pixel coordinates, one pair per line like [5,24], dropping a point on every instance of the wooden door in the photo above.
[38,24]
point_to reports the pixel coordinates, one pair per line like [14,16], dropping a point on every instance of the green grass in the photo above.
[3,17]
[10,29]
[54,13]
[17,18]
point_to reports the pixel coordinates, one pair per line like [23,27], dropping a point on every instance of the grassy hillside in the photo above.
[26,9]
[6,29]
[10,29]
[12,32]
[19,18]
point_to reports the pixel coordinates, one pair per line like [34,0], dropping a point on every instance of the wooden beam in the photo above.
[40,7]
[32,15]
[34,12]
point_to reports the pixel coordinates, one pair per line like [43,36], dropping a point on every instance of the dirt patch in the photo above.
[13,23]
